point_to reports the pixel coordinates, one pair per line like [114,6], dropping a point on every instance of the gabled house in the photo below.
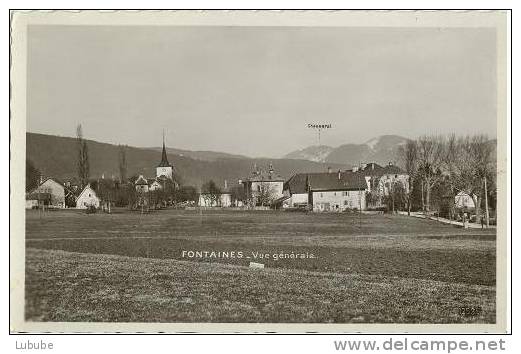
[464,200]
[326,191]
[87,198]
[141,184]
[50,193]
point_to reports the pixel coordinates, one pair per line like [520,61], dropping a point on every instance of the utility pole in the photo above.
[486,203]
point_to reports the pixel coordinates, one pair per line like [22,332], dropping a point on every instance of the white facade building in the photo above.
[339,200]
[263,188]
[87,198]
[464,200]
[326,191]
[51,191]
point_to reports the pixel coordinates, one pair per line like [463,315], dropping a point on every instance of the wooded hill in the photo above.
[56,156]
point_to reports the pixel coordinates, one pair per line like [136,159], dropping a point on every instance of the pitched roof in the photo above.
[85,188]
[60,182]
[373,169]
[262,176]
[141,181]
[323,181]
[164,159]
[392,169]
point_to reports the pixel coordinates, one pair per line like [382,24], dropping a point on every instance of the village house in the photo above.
[87,198]
[141,184]
[263,188]
[326,191]
[50,193]
[464,201]
[383,180]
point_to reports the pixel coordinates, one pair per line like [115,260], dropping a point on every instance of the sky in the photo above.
[254,90]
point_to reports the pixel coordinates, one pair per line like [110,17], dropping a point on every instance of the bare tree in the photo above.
[83,157]
[452,149]
[211,193]
[265,194]
[473,169]
[122,163]
[409,156]
[430,158]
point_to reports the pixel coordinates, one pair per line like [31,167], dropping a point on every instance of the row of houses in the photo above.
[52,193]
[320,191]
[331,190]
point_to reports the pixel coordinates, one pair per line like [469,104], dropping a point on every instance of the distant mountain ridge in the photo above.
[382,150]
[202,155]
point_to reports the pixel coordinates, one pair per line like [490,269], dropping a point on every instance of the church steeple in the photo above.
[164,159]
[164,169]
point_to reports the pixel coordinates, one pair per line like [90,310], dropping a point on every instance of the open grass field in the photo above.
[374,268]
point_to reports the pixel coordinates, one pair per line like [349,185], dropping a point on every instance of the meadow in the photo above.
[128,266]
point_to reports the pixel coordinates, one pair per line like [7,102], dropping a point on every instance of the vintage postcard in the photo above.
[255,171]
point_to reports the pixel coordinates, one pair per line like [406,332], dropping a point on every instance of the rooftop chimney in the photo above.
[339,174]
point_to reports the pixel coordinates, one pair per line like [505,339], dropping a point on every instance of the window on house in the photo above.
[345,194]
[345,202]
[321,195]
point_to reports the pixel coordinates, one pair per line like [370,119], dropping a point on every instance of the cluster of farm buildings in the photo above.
[319,191]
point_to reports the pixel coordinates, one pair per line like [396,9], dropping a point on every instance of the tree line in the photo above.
[440,167]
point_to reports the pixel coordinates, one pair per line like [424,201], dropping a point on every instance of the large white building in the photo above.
[263,188]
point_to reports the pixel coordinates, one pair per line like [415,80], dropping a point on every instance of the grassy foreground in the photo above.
[89,287]
[370,268]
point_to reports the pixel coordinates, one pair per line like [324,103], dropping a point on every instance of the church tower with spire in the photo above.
[164,168]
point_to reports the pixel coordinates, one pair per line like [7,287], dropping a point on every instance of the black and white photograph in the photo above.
[336,170]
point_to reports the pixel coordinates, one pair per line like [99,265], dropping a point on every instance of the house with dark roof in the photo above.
[341,190]
[326,191]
